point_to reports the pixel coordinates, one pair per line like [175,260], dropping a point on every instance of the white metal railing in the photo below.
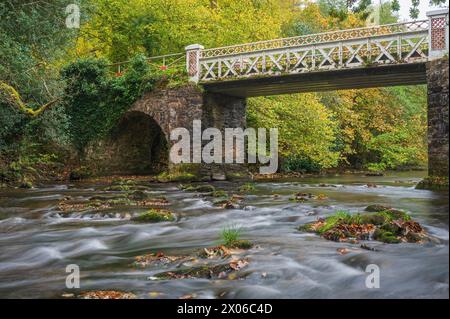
[340,35]
[160,62]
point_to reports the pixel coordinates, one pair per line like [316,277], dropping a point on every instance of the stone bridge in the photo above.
[396,54]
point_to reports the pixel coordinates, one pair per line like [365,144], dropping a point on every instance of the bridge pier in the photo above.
[223,111]
[438,142]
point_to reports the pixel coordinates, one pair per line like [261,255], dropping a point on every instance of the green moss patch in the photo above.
[247,188]
[154,216]
[198,188]
[240,244]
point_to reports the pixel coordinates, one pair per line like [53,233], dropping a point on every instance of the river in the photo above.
[37,242]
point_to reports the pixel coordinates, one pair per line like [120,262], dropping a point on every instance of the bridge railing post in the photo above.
[438,34]
[193,53]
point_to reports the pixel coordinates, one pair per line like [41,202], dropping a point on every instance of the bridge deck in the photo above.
[356,78]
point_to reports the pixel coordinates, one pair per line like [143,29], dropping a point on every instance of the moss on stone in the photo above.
[180,173]
[166,177]
[138,195]
[388,213]
[207,272]
[26,184]
[154,216]
[385,236]
[219,193]
[240,244]
[434,183]
[247,187]
[198,188]
[205,189]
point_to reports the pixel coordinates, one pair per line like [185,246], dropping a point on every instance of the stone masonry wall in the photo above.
[438,143]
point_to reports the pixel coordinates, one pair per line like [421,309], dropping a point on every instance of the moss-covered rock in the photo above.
[221,271]
[198,188]
[166,177]
[181,173]
[435,183]
[101,202]
[205,189]
[388,212]
[240,244]
[26,184]
[247,188]
[226,204]
[219,193]
[138,195]
[388,226]
[154,216]
[157,259]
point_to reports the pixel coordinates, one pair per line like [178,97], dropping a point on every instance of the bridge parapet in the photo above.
[400,43]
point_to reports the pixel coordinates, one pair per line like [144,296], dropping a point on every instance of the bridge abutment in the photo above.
[141,142]
[438,142]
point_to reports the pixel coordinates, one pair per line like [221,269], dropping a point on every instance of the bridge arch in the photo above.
[140,144]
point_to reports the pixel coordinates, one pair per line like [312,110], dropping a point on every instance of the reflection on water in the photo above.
[36,243]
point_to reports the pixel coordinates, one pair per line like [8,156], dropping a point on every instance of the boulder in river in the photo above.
[156,259]
[154,216]
[388,226]
[206,188]
[221,271]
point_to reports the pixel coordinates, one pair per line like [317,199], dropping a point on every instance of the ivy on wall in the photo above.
[95,98]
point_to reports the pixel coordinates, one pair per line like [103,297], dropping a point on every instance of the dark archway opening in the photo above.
[141,145]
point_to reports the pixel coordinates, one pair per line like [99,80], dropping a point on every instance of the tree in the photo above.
[340,8]
[119,29]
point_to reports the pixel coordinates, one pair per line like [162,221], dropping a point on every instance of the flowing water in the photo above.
[37,243]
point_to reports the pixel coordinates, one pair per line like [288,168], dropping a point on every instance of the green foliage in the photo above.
[306,128]
[230,234]
[118,29]
[96,97]
[300,164]
[33,41]
[29,163]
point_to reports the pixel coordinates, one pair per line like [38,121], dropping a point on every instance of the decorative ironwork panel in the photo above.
[438,26]
[193,63]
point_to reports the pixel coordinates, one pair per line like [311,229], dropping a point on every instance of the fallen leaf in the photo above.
[343,251]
